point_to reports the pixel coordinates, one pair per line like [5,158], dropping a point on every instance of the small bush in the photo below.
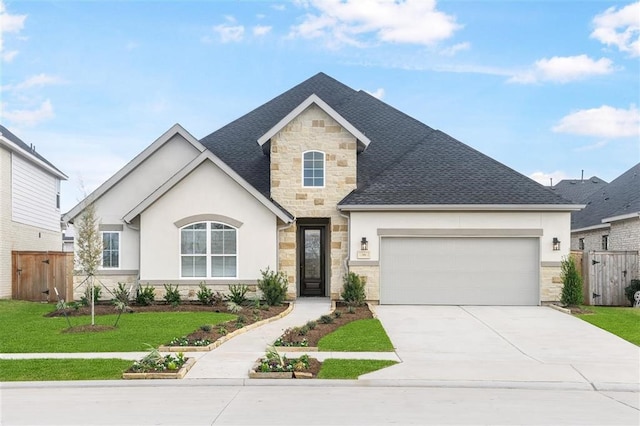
[85,299]
[273,286]
[206,328]
[205,295]
[353,290]
[326,319]
[145,296]
[240,321]
[121,294]
[631,289]
[311,325]
[172,295]
[222,329]
[337,314]
[572,283]
[232,307]
[303,331]
[238,294]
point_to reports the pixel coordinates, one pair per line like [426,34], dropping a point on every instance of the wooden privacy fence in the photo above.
[606,274]
[37,274]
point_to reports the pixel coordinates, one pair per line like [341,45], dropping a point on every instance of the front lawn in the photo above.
[61,369]
[25,329]
[623,322]
[365,335]
[350,368]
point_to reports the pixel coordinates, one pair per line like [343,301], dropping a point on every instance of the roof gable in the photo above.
[176,129]
[314,99]
[206,156]
[578,190]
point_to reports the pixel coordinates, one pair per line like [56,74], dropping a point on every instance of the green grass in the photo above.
[623,322]
[12,370]
[350,368]
[25,329]
[365,335]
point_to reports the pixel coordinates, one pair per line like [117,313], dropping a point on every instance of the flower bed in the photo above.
[276,366]
[157,366]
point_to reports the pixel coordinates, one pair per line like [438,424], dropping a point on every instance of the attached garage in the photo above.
[459,271]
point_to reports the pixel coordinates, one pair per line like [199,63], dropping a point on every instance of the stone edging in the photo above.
[225,338]
[559,308]
[163,375]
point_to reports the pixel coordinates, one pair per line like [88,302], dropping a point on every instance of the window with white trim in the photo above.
[313,169]
[208,250]
[110,249]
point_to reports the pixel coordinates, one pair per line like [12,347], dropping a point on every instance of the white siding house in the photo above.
[29,204]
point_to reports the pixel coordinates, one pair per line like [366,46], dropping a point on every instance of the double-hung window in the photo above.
[313,169]
[110,249]
[208,250]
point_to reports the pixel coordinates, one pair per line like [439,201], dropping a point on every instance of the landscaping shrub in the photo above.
[121,294]
[206,296]
[172,295]
[237,294]
[85,299]
[353,290]
[572,283]
[273,286]
[631,289]
[326,319]
[145,296]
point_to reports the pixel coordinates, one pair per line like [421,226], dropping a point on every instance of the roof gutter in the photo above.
[19,150]
[621,217]
[461,207]
[591,228]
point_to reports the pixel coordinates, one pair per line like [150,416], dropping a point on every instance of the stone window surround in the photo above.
[324,168]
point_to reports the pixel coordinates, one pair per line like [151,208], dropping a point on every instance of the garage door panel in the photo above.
[472,271]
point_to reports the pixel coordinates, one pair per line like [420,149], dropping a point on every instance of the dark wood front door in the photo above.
[312,260]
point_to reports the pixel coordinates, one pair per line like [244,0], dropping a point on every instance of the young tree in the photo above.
[88,250]
[572,283]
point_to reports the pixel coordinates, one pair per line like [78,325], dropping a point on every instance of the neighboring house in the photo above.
[611,218]
[577,190]
[322,180]
[29,203]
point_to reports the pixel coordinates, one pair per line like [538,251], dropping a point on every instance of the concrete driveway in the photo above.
[532,346]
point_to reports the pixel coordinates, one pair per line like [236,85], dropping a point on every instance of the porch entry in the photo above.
[312,254]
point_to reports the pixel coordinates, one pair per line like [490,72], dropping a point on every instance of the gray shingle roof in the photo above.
[578,190]
[407,162]
[620,197]
[16,140]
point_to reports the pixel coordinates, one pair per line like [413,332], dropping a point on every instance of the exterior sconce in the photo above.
[363,253]
[556,244]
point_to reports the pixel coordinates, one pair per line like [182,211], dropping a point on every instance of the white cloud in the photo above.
[603,122]
[9,56]
[619,28]
[278,7]
[379,93]
[26,117]
[563,69]
[10,23]
[390,21]
[229,32]
[260,30]
[453,50]
[545,178]
[39,80]
[592,146]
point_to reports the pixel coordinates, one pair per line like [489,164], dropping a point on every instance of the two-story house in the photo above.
[322,180]
[29,203]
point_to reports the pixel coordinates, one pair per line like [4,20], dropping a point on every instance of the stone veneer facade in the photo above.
[313,130]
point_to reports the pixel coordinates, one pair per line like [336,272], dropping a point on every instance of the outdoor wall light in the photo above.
[556,244]
[364,244]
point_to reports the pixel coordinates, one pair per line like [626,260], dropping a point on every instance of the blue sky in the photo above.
[547,87]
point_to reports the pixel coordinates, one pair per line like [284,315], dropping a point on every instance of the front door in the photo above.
[312,260]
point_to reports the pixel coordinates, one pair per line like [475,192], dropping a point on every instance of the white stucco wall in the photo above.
[135,187]
[552,224]
[206,190]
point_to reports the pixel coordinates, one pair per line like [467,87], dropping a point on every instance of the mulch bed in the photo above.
[107,308]
[321,330]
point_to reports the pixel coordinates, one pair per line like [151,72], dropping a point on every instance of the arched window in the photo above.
[313,169]
[208,250]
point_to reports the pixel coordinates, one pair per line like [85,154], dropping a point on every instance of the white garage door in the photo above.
[459,271]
